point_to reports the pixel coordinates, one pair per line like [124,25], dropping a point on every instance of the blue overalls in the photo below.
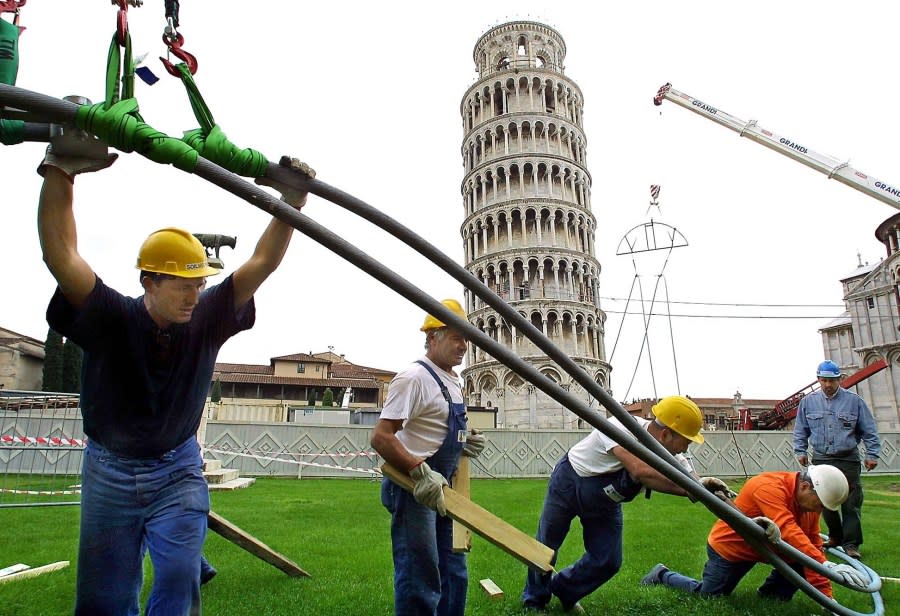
[597,501]
[429,577]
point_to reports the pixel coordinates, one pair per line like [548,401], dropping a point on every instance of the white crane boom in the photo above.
[833,168]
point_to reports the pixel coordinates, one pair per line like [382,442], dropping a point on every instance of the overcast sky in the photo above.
[369,95]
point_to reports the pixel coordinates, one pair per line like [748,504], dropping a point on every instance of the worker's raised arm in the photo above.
[274,241]
[56,224]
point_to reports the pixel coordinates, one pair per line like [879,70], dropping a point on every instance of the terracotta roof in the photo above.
[301,357]
[243,369]
[289,380]
[349,370]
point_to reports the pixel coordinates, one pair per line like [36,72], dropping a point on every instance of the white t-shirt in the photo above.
[592,455]
[415,397]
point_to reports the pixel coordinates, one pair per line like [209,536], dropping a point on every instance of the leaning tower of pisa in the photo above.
[528,230]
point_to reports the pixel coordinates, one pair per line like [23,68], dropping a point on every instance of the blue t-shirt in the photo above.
[142,389]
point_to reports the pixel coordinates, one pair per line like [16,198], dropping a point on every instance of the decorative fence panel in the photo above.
[41,452]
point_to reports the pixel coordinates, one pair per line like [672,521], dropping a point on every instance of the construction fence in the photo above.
[41,445]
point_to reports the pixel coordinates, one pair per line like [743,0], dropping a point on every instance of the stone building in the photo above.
[290,386]
[21,361]
[528,230]
[869,329]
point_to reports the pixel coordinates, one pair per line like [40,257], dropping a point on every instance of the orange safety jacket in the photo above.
[773,495]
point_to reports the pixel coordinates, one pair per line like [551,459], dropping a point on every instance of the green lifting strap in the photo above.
[121,126]
[9,52]
[117,71]
[11,131]
[211,142]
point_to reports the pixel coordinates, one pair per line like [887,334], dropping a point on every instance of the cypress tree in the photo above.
[216,394]
[328,397]
[53,362]
[71,364]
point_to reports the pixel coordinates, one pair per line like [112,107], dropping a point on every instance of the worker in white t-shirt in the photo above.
[591,482]
[422,431]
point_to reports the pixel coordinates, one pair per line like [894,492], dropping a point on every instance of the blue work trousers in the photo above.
[430,579]
[720,577]
[845,525]
[132,504]
[569,495]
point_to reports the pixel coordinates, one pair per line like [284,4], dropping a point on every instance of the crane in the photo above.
[832,167]
[785,411]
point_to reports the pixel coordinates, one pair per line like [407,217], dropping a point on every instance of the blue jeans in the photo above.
[569,495]
[430,579]
[127,505]
[720,577]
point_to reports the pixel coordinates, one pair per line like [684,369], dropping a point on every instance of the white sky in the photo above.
[369,94]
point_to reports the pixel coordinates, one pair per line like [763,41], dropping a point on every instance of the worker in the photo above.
[787,505]
[422,431]
[148,363]
[591,481]
[832,421]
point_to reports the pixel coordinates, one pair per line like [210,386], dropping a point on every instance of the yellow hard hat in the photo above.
[681,415]
[433,323]
[174,252]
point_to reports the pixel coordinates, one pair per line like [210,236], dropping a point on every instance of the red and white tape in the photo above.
[56,441]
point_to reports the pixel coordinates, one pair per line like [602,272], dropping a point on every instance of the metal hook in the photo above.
[174,44]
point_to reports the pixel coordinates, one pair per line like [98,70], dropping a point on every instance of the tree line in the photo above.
[62,365]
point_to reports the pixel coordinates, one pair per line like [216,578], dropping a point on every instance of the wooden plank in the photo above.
[245,540]
[33,571]
[13,569]
[491,589]
[484,523]
[462,536]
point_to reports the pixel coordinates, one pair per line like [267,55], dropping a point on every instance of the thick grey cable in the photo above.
[63,112]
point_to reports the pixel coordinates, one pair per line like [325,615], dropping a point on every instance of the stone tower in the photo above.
[528,231]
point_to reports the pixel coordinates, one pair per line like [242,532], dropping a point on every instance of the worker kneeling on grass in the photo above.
[787,505]
[591,482]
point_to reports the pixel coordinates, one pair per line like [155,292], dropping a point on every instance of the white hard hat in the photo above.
[829,484]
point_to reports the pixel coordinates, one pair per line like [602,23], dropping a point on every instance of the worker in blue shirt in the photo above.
[832,421]
[148,362]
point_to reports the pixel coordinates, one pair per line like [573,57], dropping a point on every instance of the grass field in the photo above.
[338,531]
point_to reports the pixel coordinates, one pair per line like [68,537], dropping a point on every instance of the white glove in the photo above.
[73,165]
[773,533]
[474,443]
[289,194]
[714,484]
[848,574]
[429,490]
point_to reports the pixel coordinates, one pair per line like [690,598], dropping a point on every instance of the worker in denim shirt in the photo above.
[832,421]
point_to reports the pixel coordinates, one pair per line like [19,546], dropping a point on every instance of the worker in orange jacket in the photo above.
[788,506]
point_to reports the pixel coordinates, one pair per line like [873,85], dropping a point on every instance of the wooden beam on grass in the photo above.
[245,540]
[490,588]
[34,571]
[462,536]
[504,535]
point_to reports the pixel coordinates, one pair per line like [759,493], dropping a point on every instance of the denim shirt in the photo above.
[835,426]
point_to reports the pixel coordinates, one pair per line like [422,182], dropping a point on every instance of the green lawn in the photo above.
[338,532]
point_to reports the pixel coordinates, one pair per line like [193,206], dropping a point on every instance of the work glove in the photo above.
[848,574]
[73,165]
[714,484]
[74,150]
[474,443]
[773,533]
[289,194]
[429,489]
